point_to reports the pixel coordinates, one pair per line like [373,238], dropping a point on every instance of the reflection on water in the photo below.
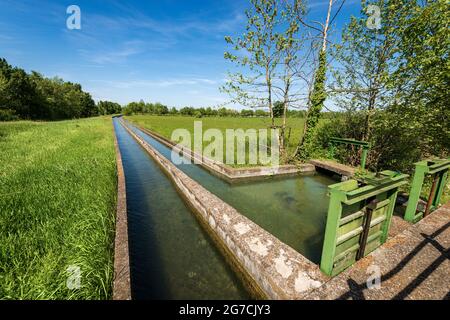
[293,209]
[170,254]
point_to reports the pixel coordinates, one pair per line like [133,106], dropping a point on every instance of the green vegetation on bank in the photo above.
[165,125]
[57,208]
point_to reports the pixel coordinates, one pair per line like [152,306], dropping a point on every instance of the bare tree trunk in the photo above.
[285,109]
[326,27]
[269,89]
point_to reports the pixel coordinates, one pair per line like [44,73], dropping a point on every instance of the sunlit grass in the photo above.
[165,125]
[57,203]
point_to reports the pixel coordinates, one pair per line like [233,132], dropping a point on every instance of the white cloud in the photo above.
[156,83]
[103,56]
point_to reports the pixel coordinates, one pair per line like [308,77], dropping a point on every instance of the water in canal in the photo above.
[293,209]
[170,254]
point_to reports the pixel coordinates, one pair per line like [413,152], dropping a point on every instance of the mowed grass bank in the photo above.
[165,125]
[57,208]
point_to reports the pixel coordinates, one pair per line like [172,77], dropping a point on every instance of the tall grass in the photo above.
[57,203]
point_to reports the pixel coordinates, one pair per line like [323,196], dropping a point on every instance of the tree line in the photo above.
[32,96]
[158,108]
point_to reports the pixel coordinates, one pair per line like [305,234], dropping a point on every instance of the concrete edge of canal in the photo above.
[121,282]
[272,267]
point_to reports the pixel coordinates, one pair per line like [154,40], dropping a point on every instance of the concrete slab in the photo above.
[335,167]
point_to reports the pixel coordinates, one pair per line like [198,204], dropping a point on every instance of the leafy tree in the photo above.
[256,51]
[271,54]
[247,113]
[108,107]
[187,111]
[17,92]
[260,113]
[278,109]
[421,79]
[32,96]
[393,84]
[318,94]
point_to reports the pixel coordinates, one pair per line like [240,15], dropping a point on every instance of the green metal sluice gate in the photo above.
[437,169]
[359,216]
[360,211]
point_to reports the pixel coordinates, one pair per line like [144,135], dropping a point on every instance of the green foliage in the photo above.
[198,114]
[148,108]
[260,113]
[278,109]
[317,99]
[247,113]
[31,96]
[108,107]
[8,115]
[253,88]
[393,84]
[394,147]
[422,76]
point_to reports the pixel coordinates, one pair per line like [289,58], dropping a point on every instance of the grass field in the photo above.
[165,125]
[57,203]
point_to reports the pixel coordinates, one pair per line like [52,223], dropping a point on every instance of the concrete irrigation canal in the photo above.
[171,256]
[193,235]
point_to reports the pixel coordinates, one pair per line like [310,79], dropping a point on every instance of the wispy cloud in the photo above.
[323,4]
[132,18]
[127,49]
[156,83]
[4,37]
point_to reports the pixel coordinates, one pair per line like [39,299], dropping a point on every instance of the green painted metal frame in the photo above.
[365,147]
[438,168]
[359,217]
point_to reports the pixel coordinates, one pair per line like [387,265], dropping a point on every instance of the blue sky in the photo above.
[157,50]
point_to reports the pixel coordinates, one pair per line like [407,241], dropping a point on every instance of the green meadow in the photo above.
[57,208]
[165,125]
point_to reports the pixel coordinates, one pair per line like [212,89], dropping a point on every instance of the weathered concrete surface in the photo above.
[226,172]
[121,285]
[278,271]
[335,167]
[398,225]
[414,265]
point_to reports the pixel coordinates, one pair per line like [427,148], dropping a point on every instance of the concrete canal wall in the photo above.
[273,269]
[121,284]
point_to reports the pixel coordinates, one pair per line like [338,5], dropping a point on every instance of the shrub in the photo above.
[8,115]
[394,145]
